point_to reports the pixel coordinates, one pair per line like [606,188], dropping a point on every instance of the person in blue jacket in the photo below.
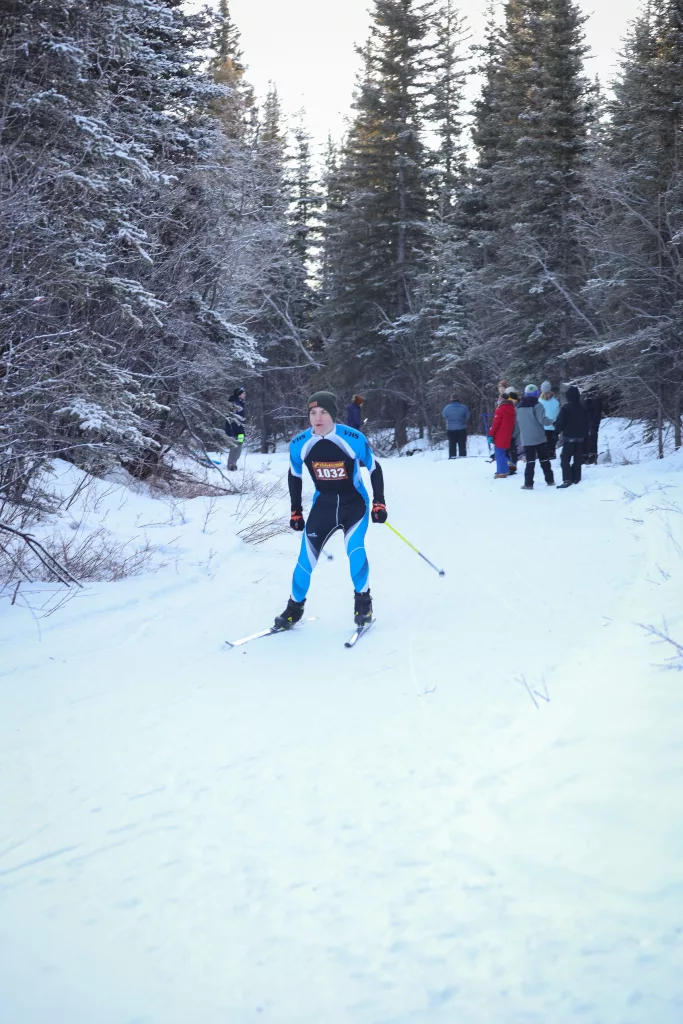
[457,415]
[333,455]
[353,410]
[551,407]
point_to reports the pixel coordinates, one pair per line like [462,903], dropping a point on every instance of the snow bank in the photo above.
[473,816]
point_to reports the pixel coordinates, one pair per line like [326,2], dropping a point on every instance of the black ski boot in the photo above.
[291,615]
[362,608]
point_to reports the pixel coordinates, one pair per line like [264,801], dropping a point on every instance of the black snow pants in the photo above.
[551,441]
[540,451]
[571,449]
[457,439]
[591,456]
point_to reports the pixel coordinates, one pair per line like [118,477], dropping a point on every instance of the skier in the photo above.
[235,428]
[532,421]
[333,455]
[353,412]
[456,415]
[501,434]
[573,423]
[551,406]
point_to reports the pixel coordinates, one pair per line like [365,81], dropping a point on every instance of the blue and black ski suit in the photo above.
[340,501]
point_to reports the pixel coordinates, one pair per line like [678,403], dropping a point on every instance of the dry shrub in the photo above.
[255,510]
[96,557]
[183,484]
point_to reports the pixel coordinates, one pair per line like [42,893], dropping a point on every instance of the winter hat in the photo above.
[546,386]
[531,391]
[511,393]
[326,401]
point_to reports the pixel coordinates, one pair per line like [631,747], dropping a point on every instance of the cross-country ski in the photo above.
[358,633]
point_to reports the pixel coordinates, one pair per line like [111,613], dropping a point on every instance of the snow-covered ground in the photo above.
[474,817]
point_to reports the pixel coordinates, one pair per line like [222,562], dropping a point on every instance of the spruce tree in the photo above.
[532,140]
[110,344]
[637,224]
[444,113]
[375,240]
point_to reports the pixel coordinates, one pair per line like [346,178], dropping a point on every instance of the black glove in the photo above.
[379,512]
[297,522]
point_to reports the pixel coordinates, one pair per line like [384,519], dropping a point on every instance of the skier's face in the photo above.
[320,420]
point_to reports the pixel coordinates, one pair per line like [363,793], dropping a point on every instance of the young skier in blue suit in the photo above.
[333,455]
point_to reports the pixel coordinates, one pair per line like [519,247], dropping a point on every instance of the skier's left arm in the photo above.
[379,508]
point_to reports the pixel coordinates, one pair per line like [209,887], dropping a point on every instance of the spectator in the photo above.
[551,406]
[573,423]
[456,415]
[512,453]
[234,426]
[531,419]
[353,417]
[593,404]
[502,432]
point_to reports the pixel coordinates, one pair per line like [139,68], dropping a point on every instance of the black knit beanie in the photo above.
[326,401]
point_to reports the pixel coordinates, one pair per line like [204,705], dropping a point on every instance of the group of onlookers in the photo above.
[534,423]
[528,426]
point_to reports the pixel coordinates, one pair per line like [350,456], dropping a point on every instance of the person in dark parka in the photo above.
[234,426]
[593,405]
[573,423]
[353,418]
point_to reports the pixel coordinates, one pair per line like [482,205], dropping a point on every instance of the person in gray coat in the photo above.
[457,416]
[532,422]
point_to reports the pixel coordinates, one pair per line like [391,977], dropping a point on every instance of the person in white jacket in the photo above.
[551,407]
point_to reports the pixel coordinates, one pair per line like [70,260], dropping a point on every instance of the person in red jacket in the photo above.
[502,432]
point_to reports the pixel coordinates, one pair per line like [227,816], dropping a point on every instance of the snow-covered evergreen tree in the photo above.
[635,226]
[375,236]
[531,134]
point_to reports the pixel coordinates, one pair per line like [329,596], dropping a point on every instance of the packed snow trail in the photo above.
[474,816]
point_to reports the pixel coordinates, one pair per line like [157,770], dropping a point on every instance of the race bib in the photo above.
[330,471]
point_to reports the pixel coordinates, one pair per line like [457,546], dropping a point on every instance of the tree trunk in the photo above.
[677,421]
[660,429]
[263,415]
[401,423]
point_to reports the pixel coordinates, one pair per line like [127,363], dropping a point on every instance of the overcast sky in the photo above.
[307,48]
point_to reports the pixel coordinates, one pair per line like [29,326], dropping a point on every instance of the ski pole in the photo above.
[441,572]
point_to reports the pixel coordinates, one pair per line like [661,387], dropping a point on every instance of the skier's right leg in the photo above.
[321,523]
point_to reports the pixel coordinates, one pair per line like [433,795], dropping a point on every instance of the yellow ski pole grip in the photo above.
[441,572]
